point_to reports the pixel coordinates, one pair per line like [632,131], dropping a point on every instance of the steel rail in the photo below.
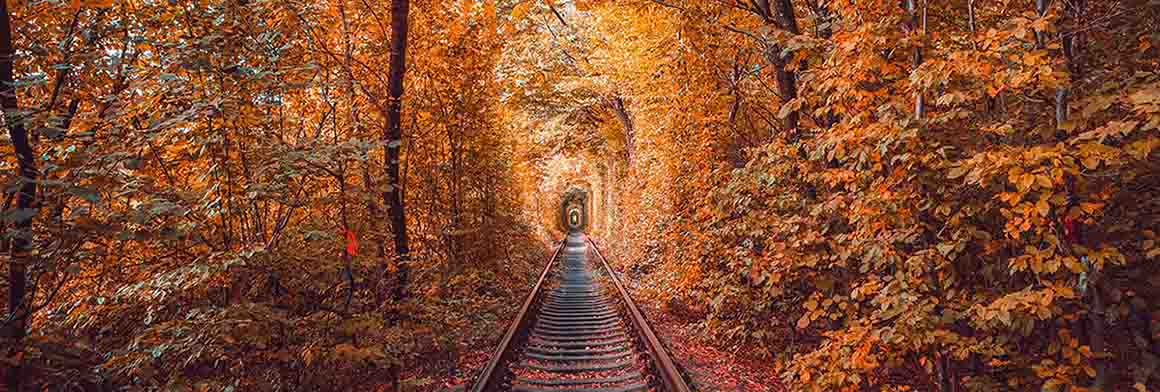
[662,362]
[492,377]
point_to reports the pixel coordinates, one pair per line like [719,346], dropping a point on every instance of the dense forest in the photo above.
[860,195]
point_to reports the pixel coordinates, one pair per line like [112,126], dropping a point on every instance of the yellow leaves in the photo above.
[1000,129]
[1011,198]
[1028,304]
[836,177]
[1098,104]
[521,9]
[814,311]
[1147,97]
[1035,58]
[1074,265]
[348,352]
[789,107]
[489,14]
[1091,162]
[1091,207]
[1024,182]
[1100,258]
[1151,248]
[805,376]
[1039,261]
[92,3]
[804,321]
[1111,129]
[957,171]
[999,168]
[945,248]
[866,289]
[1043,207]
[307,356]
[1142,149]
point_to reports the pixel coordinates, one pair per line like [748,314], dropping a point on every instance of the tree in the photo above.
[22,216]
[393,136]
[948,225]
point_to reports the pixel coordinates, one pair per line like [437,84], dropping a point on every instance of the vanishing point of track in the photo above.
[572,336]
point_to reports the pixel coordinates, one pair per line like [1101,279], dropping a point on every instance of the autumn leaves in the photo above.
[962,202]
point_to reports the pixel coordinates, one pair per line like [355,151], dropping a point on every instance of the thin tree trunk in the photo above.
[393,196]
[1041,37]
[1061,94]
[942,367]
[625,118]
[917,22]
[786,83]
[783,17]
[21,246]
[788,19]
[825,30]
[1096,336]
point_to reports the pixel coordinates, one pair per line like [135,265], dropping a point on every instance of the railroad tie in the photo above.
[579,341]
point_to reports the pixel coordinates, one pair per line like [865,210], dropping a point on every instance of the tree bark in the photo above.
[782,16]
[393,196]
[786,84]
[825,30]
[625,118]
[917,22]
[788,19]
[787,79]
[1097,319]
[21,246]
[1061,94]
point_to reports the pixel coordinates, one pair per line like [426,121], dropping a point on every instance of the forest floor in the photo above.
[469,364]
[472,347]
[708,367]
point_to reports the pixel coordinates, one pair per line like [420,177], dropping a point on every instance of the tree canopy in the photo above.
[892,195]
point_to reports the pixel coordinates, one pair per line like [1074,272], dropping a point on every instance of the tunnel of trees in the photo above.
[826,195]
[574,210]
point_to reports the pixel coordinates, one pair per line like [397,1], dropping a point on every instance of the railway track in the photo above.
[579,331]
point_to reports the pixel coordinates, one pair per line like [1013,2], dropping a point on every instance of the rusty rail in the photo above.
[663,364]
[492,376]
[495,375]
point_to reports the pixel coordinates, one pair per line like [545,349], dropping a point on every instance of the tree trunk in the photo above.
[825,31]
[783,17]
[917,22]
[625,118]
[786,83]
[1061,94]
[788,19]
[21,246]
[393,196]
[1097,319]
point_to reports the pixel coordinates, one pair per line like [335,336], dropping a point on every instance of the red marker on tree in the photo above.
[351,243]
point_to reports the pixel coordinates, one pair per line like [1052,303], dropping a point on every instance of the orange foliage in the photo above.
[879,195]
[999,238]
